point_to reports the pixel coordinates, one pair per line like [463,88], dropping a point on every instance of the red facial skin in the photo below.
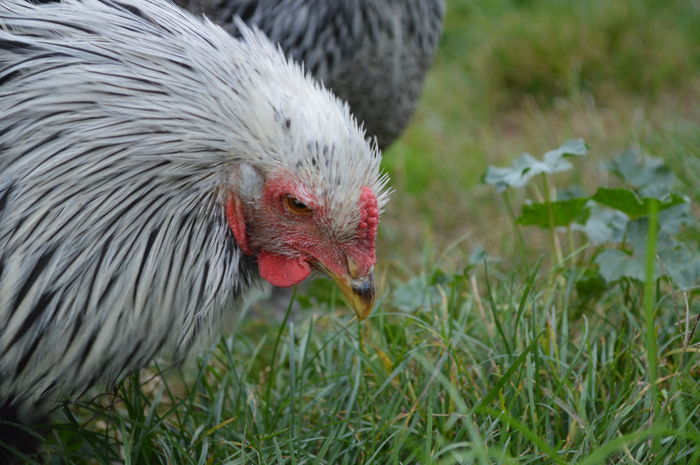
[305,239]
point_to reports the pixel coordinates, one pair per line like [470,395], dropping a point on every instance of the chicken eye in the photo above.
[296,207]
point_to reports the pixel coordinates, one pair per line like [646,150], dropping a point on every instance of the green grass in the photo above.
[477,367]
[522,359]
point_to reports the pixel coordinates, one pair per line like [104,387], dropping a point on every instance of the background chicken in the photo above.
[374,54]
[151,167]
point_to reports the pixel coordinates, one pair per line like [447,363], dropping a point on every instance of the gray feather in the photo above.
[374,54]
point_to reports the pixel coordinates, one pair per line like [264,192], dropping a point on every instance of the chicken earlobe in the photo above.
[236,221]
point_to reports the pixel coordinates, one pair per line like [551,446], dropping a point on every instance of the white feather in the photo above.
[122,124]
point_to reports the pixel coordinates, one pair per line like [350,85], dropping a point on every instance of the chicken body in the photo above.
[374,54]
[151,168]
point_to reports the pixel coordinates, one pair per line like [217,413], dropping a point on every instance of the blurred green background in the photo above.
[526,75]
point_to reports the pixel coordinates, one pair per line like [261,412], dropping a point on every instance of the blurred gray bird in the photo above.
[152,167]
[374,54]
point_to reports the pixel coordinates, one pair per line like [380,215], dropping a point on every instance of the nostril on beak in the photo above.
[353,267]
[364,288]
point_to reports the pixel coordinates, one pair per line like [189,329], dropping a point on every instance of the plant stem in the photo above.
[550,212]
[572,243]
[511,214]
[649,306]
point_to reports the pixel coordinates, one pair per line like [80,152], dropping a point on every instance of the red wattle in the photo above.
[282,271]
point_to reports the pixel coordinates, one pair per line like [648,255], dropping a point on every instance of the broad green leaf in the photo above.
[649,174]
[673,219]
[637,234]
[605,225]
[679,262]
[554,159]
[629,203]
[573,191]
[682,265]
[615,264]
[519,173]
[516,175]
[414,294]
[564,213]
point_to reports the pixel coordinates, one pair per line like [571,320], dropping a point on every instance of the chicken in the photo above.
[374,54]
[152,167]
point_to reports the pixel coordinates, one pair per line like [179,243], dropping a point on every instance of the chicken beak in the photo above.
[359,293]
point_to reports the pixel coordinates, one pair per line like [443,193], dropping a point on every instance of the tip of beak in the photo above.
[359,293]
[364,291]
